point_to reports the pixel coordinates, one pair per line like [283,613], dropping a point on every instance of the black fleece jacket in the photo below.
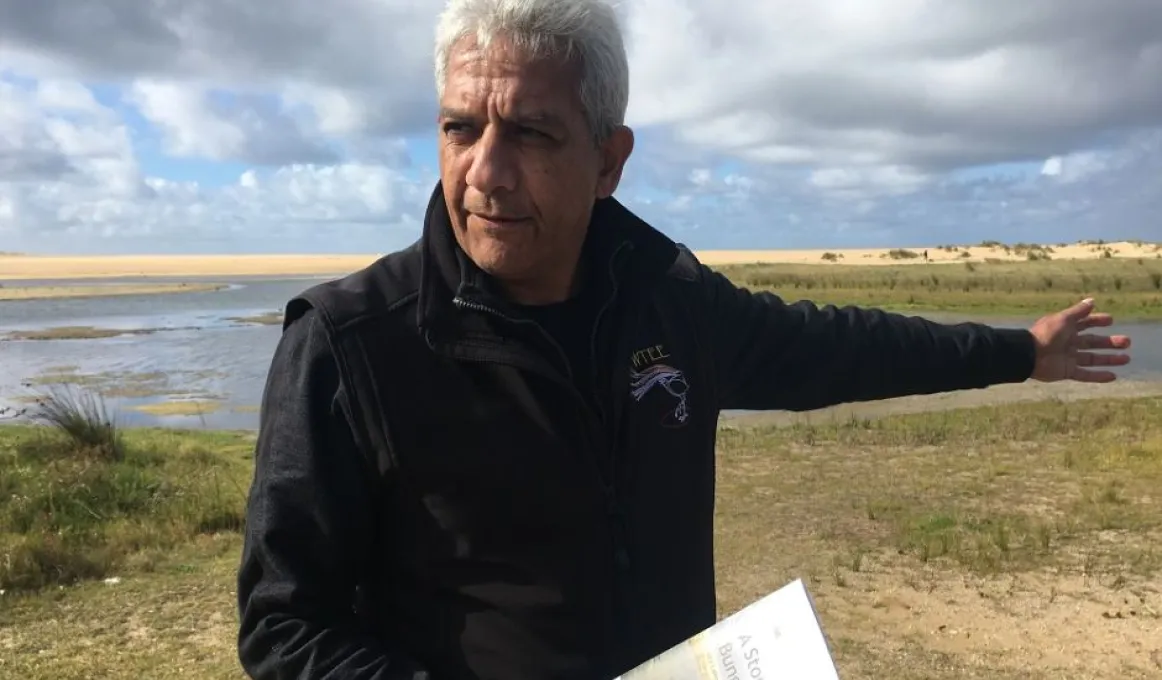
[443,490]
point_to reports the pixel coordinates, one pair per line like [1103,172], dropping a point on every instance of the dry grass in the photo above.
[1006,541]
[998,542]
[1130,289]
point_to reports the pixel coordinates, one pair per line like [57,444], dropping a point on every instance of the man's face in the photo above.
[520,167]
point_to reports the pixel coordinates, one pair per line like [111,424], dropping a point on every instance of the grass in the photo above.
[83,500]
[998,488]
[1034,522]
[1130,289]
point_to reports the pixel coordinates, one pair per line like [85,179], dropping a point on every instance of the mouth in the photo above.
[498,221]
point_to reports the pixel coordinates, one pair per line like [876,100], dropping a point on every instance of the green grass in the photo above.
[1130,289]
[67,515]
[950,519]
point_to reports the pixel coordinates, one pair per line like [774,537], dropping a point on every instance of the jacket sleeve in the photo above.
[769,354]
[309,529]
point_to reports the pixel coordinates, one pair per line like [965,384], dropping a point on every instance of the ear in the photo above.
[614,152]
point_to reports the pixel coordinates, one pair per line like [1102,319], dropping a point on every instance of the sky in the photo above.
[222,126]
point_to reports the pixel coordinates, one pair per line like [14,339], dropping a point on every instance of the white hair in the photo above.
[583,30]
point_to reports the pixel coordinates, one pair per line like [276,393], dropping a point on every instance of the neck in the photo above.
[560,285]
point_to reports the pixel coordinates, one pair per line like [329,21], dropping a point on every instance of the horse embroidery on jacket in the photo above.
[671,380]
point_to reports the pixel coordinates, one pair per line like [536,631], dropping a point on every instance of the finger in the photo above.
[1090,341]
[1092,359]
[1080,310]
[1084,375]
[1095,320]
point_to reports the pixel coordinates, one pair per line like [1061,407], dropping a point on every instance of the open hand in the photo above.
[1064,352]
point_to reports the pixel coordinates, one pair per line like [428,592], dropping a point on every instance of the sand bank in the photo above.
[32,267]
[41,267]
[104,290]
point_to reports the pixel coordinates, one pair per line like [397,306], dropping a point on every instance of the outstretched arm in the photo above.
[309,529]
[773,355]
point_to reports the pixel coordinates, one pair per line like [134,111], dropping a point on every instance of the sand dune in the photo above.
[946,254]
[43,267]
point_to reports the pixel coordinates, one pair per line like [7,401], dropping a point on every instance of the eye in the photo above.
[457,130]
[533,133]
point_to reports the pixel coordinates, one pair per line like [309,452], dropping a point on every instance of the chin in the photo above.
[497,258]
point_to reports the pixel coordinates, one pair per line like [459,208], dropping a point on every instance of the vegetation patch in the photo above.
[267,319]
[1130,289]
[80,499]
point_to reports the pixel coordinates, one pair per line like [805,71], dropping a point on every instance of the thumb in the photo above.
[1081,309]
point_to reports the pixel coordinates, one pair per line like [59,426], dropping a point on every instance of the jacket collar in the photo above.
[620,248]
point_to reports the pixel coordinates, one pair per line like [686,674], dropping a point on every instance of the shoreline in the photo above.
[32,267]
[996,395]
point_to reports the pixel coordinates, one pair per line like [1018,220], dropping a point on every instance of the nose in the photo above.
[493,165]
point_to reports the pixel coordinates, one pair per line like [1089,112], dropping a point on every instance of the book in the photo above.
[778,636]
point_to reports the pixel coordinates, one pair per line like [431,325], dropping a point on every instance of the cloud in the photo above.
[161,124]
[929,86]
[71,182]
[235,128]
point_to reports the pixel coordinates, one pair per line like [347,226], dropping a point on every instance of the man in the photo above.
[491,455]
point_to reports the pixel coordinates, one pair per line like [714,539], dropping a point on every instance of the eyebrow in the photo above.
[527,118]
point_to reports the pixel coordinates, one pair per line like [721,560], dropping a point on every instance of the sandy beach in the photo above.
[47,267]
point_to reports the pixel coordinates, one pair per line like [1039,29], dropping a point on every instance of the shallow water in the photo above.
[198,352]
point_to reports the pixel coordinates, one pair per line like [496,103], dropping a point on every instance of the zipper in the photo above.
[605,417]
[606,428]
[478,307]
[610,429]
[603,483]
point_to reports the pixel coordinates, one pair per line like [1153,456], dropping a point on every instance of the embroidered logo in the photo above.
[670,379]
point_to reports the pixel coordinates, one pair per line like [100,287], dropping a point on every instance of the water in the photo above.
[198,352]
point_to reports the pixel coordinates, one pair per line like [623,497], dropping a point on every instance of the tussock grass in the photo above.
[1127,288]
[82,419]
